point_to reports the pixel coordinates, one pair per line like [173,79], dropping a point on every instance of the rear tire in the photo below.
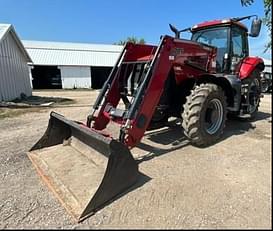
[204,114]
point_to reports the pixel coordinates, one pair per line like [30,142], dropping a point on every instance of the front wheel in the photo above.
[264,86]
[252,97]
[204,114]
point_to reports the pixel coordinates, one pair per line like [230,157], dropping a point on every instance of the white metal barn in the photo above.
[70,65]
[268,65]
[14,72]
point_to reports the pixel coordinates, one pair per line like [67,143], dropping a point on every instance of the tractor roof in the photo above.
[215,23]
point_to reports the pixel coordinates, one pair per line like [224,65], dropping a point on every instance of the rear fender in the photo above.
[248,65]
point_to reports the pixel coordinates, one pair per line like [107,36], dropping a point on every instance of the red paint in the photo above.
[187,58]
[116,120]
[138,52]
[146,58]
[133,53]
[214,23]
[173,54]
[207,24]
[248,65]
[193,53]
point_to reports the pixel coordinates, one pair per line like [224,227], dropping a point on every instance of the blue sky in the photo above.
[106,22]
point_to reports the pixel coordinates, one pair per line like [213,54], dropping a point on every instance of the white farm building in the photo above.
[70,65]
[14,72]
[268,65]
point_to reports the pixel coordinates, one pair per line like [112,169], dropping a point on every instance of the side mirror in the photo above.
[255,27]
[173,29]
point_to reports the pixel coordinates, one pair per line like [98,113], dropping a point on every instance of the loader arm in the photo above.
[148,95]
[135,119]
[187,58]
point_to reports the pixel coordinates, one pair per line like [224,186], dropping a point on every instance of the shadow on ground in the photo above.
[170,137]
[163,141]
[31,104]
[173,136]
[42,100]
[237,126]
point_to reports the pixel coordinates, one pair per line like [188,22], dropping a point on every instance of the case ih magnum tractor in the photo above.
[199,81]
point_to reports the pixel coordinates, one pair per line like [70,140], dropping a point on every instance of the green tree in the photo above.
[246,2]
[266,20]
[132,39]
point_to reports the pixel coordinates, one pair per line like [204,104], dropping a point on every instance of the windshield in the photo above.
[217,37]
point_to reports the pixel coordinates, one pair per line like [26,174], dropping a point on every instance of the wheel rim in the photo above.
[264,87]
[253,96]
[214,116]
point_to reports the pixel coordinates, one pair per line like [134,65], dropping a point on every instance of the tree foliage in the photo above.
[131,39]
[267,18]
[246,2]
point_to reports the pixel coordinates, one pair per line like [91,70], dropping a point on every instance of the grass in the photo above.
[13,112]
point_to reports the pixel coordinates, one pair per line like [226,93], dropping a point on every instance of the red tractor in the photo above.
[200,81]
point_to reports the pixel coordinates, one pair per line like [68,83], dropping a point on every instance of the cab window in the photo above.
[237,36]
[217,37]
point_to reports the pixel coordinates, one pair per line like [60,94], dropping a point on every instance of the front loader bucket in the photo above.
[84,169]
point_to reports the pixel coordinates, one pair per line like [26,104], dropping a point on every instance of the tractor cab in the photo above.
[229,36]
[231,39]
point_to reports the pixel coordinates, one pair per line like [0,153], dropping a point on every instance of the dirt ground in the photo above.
[227,185]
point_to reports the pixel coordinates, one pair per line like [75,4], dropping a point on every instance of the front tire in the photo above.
[204,114]
[264,87]
[254,93]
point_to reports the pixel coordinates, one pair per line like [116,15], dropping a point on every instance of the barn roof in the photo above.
[6,29]
[72,54]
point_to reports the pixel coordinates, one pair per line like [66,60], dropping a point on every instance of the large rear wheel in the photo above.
[204,114]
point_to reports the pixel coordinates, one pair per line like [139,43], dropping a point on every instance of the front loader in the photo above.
[198,81]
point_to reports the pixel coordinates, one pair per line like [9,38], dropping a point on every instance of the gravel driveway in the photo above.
[227,185]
